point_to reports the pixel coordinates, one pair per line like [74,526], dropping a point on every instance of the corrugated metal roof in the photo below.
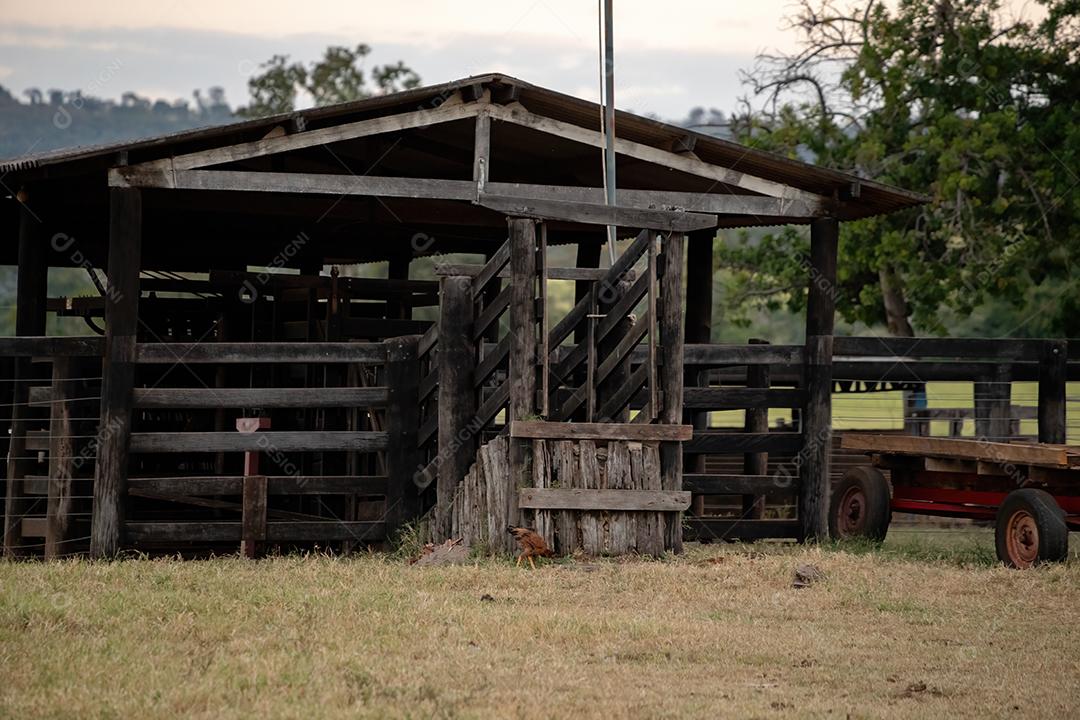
[873,198]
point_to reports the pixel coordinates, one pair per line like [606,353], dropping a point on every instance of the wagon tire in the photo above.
[1031,529]
[860,505]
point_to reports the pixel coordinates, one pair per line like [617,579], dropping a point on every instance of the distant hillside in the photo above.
[58,119]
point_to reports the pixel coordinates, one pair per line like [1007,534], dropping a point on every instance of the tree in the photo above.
[949,98]
[338,77]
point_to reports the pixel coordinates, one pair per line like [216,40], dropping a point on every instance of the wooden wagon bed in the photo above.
[970,478]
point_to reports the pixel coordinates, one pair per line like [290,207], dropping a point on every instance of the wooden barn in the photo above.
[236,384]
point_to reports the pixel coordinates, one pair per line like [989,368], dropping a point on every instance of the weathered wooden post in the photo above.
[457,400]
[756,421]
[817,419]
[671,374]
[699,309]
[1052,368]
[402,426]
[29,320]
[523,344]
[118,370]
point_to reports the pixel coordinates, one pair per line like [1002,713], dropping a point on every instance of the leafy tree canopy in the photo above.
[338,77]
[950,98]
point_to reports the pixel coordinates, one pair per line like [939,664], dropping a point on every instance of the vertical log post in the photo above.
[671,375]
[1052,427]
[61,458]
[757,421]
[32,278]
[699,320]
[253,499]
[817,421]
[118,370]
[523,345]
[457,400]
[402,424]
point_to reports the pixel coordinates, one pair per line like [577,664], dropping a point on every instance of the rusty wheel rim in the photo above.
[1022,539]
[851,513]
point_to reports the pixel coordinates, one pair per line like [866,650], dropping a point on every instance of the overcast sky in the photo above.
[670,56]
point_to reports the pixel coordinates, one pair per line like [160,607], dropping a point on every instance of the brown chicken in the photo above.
[532,544]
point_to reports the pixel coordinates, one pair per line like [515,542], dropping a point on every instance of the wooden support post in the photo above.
[1052,427]
[482,152]
[699,321]
[29,320]
[757,421]
[671,375]
[403,459]
[817,420]
[61,458]
[457,399]
[523,345]
[118,370]
[253,515]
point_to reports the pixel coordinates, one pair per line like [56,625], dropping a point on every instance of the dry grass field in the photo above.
[926,626]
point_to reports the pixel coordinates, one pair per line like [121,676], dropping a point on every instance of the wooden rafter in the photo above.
[449,111]
[520,116]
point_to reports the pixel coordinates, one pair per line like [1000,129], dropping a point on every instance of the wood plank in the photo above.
[543,430]
[487,272]
[965,348]
[261,397]
[723,484]
[282,441]
[713,203]
[276,485]
[718,355]
[230,532]
[493,359]
[299,183]
[583,499]
[712,441]
[594,214]
[731,398]
[261,352]
[712,530]
[554,273]
[491,312]
[39,346]
[520,116]
[1050,456]
[447,112]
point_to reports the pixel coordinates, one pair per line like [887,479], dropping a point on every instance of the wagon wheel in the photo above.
[1031,529]
[860,505]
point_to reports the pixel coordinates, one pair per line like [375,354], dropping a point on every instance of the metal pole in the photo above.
[609,113]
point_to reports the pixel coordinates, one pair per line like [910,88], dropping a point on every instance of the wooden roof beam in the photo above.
[596,214]
[380,186]
[451,110]
[519,115]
